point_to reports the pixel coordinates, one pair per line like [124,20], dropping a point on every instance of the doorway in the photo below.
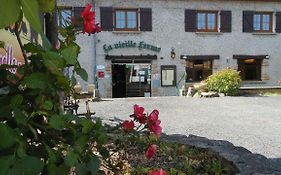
[131,80]
[118,80]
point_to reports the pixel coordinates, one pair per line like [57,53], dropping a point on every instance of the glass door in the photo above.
[138,80]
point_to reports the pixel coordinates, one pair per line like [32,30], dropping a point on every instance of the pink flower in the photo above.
[154,123]
[89,20]
[128,125]
[139,114]
[160,172]
[151,150]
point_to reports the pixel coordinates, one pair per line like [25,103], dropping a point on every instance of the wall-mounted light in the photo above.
[173,54]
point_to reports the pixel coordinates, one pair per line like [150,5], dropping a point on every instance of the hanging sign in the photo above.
[131,44]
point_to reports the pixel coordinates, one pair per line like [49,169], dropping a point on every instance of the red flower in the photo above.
[154,123]
[89,20]
[160,172]
[139,114]
[151,150]
[128,125]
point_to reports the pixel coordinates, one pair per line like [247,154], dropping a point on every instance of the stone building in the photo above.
[154,47]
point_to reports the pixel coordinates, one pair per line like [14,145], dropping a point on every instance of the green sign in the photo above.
[131,44]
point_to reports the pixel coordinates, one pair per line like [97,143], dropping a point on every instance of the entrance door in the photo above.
[118,80]
[138,80]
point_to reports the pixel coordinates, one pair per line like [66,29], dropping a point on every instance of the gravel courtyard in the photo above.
[251,122]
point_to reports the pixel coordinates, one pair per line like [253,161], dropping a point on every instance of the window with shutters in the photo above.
[126,20]
[262,22]
[250,69]
[207,21]
[198,70]
[65,14]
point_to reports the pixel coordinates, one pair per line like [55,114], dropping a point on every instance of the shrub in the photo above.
[226,81]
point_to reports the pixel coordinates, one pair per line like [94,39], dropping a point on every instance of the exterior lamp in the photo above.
[173,54]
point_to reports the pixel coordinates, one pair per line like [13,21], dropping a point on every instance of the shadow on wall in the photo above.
[246,161]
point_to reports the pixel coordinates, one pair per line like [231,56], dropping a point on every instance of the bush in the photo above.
[226,81]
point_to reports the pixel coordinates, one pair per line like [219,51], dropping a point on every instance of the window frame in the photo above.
[206,12]
[126,10]
[242,68]
[261,22]
[169,67]
[60,17]
[194,69]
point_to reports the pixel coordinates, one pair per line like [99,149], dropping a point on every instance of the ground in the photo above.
[250,122]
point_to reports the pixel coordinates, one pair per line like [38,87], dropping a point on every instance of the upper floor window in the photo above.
[116,19]
[207,21]
[262,22]
[126,19]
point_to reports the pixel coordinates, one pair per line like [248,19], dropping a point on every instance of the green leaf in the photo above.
[36,81]
[10,136]
[6,163]
[16,100]
[94,165]
[19,116]
[46,5]
[73,80]
[82,169]
[31,12]
[53,62]
[57,122]
[71,159]
[70,54]
[29,165]
[82,73]
[51,154]
[88,125]
[48,105]
[9,12]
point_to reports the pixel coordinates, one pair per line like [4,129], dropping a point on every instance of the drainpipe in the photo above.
[95,50]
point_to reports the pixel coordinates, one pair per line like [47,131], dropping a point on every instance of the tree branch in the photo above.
[20,43]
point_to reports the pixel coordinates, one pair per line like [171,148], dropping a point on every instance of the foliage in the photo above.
[226,81]
[37,136]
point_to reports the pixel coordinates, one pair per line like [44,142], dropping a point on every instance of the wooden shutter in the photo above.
[225,21]
[77,13]
[190,20]
[145,19]
[278,22]
[248,17]
[106,14]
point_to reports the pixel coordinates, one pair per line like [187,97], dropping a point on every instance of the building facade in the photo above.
[154,47]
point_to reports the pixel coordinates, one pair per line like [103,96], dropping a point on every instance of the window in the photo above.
[198,70]
[126,19]
[262,22]
[207,21]
[64,16]
[168,75]
[250,69]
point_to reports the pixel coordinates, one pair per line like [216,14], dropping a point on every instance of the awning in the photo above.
[250,56]
[130,57]
[200,57]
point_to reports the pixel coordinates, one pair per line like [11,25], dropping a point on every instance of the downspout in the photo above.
[95,50]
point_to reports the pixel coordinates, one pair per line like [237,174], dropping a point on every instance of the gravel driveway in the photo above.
[251,122]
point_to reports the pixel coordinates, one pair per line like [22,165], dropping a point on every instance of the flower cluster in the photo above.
[150,121]
[89,25]
[144,122]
